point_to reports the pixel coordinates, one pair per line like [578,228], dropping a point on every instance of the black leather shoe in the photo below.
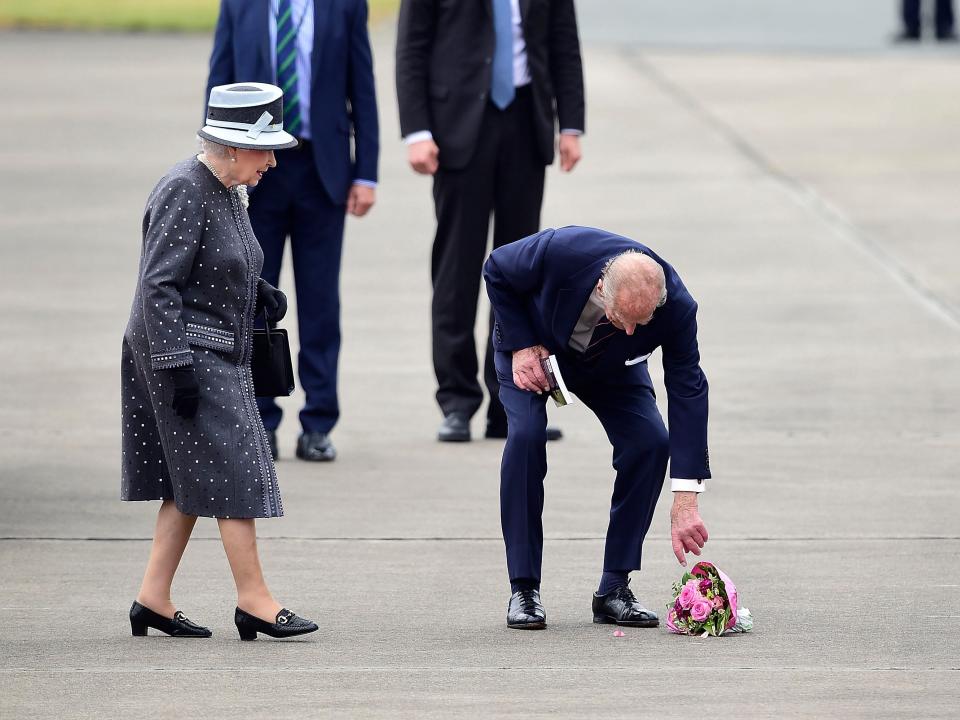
[525,611]
[142,617]
[499,432]
[621,607]
[272,440]
[454,428]
[316,447]
[287,625]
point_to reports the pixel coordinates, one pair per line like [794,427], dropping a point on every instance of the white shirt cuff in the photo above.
[685,485]
[365,183]
[571,131]
[418,136]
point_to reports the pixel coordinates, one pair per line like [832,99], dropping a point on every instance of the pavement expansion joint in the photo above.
[459,670]
[481,539]
[804,195]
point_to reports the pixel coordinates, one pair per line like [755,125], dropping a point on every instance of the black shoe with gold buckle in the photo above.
[287,625]
[142,617]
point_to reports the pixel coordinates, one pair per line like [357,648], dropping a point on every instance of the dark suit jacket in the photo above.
[343,94]
[444,64]
[538,287]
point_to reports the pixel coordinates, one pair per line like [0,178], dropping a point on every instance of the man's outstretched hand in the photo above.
[687,530]
[527,372]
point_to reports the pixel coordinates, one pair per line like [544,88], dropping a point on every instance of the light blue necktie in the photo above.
[501,84]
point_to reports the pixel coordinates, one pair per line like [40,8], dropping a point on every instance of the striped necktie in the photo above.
[501,82]
[601,334]
[287,66]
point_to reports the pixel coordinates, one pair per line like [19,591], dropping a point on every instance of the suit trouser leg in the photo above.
[463,201]
[270,215]
[943,17]
[522,471]
[518,197]
[640,443]
[910,12]
[316,242]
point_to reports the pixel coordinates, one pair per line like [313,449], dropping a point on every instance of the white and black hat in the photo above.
[247,115]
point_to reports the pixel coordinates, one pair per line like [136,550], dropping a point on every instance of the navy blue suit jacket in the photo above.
[538,287]
[343,95]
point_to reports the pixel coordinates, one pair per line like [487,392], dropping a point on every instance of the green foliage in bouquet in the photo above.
[701,604]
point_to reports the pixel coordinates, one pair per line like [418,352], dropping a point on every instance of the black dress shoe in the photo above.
[525,611]
[621,607]
[454,428]
[287,625]
[499,432]
[272,440]
[316,447]
[142,617]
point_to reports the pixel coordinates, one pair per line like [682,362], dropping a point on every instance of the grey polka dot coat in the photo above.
[194,305]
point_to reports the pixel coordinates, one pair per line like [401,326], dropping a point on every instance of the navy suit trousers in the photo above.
[290,201]
[627,409]
[942,17]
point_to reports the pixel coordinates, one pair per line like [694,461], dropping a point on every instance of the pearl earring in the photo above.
[233,159]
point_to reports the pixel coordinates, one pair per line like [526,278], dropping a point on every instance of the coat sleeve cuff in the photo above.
[172,359]
[686,485]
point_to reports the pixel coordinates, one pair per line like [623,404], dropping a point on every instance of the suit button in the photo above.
[488,60]
[482,96]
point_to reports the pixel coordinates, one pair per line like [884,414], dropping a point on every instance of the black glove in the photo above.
[186,391]
[272,302]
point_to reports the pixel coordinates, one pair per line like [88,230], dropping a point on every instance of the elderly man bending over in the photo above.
[602,304]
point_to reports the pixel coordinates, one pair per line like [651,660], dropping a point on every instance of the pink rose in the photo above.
[672,622]
[718,602]
[703,569]
[689,595]
[701,610]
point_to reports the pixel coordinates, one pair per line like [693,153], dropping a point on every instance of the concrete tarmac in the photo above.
[806,199]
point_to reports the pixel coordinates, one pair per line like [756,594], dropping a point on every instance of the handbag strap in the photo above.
[266,323]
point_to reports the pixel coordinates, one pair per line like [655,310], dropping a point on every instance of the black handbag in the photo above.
[271,363]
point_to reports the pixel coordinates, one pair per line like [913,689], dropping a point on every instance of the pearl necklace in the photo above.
[239,190]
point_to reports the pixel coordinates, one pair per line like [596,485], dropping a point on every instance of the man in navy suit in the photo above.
[602,304]
[319,54]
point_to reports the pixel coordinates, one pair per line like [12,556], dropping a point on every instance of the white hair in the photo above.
[212,149]
[635,272]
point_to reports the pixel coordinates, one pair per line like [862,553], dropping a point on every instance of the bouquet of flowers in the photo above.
[705,603]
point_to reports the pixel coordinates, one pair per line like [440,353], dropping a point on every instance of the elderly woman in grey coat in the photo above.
[192,436]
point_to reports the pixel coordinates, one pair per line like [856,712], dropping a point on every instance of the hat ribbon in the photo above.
[259,126]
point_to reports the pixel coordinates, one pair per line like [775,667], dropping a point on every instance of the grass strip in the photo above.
[130,15]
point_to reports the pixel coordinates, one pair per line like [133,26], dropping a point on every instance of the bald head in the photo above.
[632,287]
